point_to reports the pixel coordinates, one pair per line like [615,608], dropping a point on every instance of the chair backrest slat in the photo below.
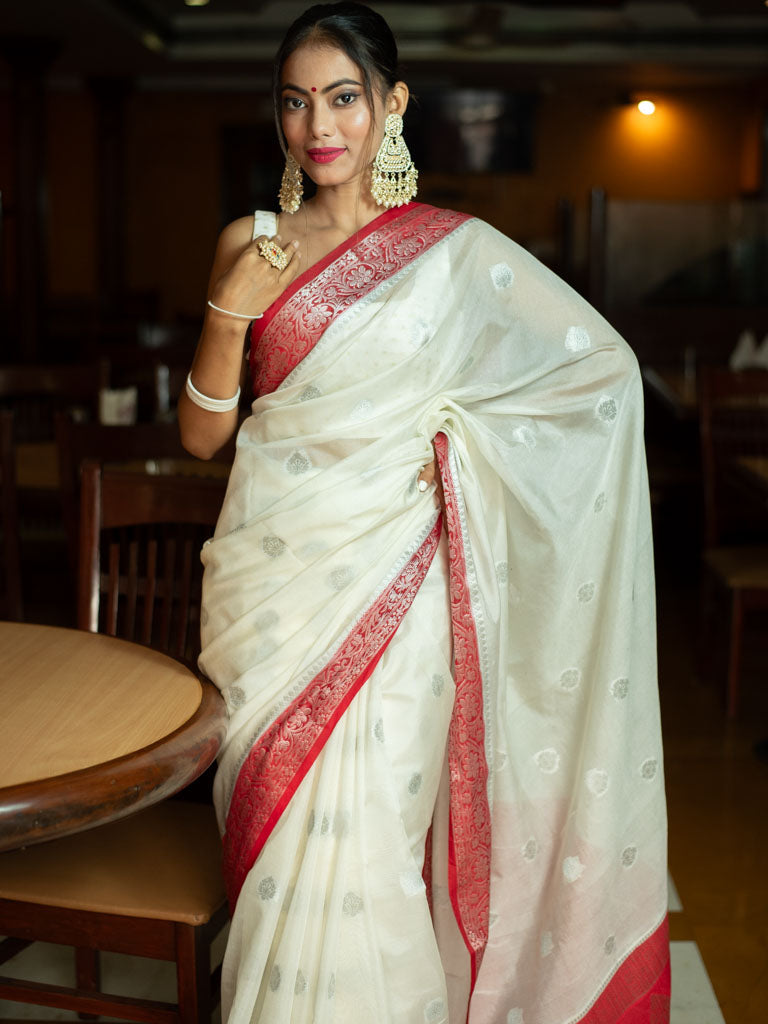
[150,590]
[166,604]
[131,590]
[185,593]
[113,588]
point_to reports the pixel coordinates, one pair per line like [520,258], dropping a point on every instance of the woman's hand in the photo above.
[251,284]
[429,475]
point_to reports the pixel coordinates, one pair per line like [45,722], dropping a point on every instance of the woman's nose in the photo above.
[321,122]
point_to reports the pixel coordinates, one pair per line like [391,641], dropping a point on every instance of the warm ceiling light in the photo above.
[196,3]
[646,107]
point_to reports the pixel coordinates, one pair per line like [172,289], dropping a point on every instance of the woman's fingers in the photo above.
[427,476]
[293,263]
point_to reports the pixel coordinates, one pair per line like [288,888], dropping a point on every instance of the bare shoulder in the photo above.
[235,237]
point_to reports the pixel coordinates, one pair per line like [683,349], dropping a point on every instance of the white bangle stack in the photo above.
[211,404]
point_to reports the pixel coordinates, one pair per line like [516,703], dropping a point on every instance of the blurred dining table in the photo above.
[94,728]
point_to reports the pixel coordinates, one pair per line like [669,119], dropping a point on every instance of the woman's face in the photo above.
[325,115]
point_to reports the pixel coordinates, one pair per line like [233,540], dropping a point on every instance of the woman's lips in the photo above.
[324,156]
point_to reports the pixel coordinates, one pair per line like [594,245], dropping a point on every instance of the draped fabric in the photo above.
[441,793]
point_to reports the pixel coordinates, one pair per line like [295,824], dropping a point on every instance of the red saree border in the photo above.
[284,753]
[469,830]
[259,326]
[639,991]
[296,321]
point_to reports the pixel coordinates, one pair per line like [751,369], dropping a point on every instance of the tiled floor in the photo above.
[718,807]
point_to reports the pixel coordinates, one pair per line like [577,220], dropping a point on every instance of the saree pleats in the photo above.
[491,674]
[332,923]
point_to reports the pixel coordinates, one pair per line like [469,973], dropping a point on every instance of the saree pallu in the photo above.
[441,792]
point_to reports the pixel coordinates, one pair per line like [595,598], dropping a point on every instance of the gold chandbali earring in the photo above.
[291,187]
[393,179]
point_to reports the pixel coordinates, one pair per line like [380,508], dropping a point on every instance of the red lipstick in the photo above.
[324,156]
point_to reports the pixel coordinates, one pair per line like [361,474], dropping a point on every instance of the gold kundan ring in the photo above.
[273,254]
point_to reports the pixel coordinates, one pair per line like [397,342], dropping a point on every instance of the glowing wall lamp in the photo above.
[646,107]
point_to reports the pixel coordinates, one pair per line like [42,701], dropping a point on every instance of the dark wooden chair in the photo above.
[10,589]
[733,424]
[78,441]
[99,890]
[140,540]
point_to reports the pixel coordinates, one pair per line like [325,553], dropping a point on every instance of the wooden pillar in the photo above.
[29,59]
[109,96]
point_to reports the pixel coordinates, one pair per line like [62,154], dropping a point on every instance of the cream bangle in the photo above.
[237,316]
[211,404]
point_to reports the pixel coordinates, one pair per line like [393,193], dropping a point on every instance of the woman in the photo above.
[441,791]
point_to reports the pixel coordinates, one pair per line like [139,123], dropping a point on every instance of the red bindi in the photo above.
[314,89]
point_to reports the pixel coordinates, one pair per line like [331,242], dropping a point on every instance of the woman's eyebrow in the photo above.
[328,88]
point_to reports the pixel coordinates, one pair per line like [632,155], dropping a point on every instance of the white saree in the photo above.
[441,792]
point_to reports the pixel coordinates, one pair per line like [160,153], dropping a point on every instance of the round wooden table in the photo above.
[93,728]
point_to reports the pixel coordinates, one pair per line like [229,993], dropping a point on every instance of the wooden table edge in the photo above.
[33,812]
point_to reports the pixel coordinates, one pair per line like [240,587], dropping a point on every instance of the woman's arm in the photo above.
[241,281]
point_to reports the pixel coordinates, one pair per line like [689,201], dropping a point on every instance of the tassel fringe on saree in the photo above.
[441,793]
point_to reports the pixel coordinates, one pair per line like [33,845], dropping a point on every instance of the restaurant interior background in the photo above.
[132,130]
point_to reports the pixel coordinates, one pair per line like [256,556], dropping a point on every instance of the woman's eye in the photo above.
[345,98]
[293,103]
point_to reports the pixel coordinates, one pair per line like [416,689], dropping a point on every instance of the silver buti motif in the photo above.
[298,462]
[648,769]
[620,688]
[273,546]
[309,393]
[531,849]
[502,275]
[607,409]
[628,856]
[577,339]
[548,761]
[352,904]
[570,679]
[572,869]
[597,781]
[235,696]
[267,888]
[340,578]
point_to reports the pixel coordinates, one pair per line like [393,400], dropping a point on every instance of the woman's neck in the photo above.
[344,208]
